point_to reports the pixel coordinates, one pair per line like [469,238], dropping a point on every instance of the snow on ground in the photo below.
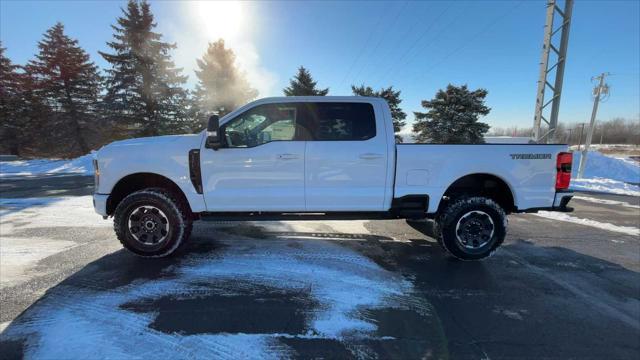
[606,202]
[605,186]
[337,226]
[607,147]
[554,215]
[341,283]
[81,165]
[606,174]
[19,254]
[507,139]
[49,212]
[607,167]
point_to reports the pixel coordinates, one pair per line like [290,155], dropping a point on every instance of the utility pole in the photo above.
[569,136]
[598,91]
[543,83]
[601,135]
[580,138]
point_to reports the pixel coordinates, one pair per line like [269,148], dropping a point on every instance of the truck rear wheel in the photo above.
[152,223]
[472,228]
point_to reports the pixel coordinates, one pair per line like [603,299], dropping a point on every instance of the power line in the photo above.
[395,19]
[401,40]
[478,34]
[395,66]
[362,50]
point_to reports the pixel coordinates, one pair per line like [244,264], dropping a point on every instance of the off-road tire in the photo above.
[455,210]
[177,213]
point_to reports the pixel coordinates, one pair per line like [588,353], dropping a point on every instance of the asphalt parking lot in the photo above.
[321,289]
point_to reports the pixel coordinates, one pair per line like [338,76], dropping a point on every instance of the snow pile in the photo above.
[605,186]
[606,174]
[554,215]
[507,139]
[622,147]
[606,202]
[81,166]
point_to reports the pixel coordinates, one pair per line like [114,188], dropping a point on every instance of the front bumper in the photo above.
[100,204]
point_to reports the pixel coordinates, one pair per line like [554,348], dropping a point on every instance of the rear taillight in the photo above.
[563,168]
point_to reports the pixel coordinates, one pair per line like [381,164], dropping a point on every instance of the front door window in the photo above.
[262,124]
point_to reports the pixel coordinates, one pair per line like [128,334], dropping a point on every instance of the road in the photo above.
[353,289]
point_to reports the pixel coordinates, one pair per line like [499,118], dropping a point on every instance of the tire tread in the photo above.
[449,215]
[168,197]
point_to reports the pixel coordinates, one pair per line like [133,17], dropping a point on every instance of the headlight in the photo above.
[96,175]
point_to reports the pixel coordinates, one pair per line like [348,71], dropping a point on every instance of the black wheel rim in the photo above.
[474,230]
[148,225]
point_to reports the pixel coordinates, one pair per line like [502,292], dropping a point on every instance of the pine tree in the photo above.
[221,87]
[452,117]
[10,106]
[393,99]
[303,85]
[22,112]
[69,84]
[34,122]
[144,95]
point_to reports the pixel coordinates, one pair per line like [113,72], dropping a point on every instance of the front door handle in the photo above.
[370,156]
[288,156]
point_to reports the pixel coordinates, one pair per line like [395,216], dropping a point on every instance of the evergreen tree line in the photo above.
[60,104]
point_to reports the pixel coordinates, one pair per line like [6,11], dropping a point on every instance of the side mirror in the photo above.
[213,133]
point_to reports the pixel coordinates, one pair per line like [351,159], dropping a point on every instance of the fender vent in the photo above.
[194,170]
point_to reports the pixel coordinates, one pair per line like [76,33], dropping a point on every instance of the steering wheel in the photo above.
[250,137]
[234,138]
[227,137]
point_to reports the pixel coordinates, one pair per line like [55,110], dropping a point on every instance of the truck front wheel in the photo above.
[472,228]
[152,223]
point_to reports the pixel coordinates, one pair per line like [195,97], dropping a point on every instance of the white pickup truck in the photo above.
[309,158]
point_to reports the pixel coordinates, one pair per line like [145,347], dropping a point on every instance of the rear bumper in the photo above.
[560,202]
[100,204]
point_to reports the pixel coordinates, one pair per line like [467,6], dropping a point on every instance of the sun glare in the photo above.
[219,19]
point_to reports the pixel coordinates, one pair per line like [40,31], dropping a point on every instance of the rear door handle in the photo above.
[370,156]
[288,156]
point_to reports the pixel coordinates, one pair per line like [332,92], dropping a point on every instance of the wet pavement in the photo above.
[325,289]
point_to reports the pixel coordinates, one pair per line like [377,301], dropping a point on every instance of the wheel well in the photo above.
[139,181]
[486,185]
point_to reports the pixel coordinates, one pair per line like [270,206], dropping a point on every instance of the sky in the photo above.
[417,47]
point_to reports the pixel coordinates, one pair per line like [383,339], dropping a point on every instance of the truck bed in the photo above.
[528,170]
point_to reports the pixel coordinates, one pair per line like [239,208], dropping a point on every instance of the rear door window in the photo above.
[340,121]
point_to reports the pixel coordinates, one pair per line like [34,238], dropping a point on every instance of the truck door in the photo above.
[346,157]
[261,165]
